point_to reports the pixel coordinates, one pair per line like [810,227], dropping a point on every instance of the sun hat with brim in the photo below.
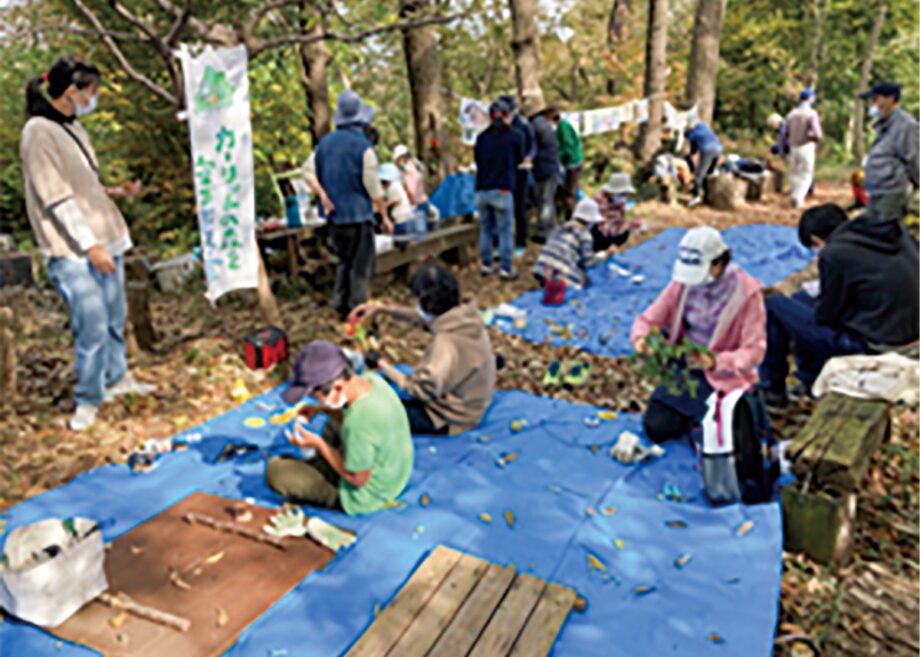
[317,364]
[400,151]
[351,109]
[887,89]
[699,247]
[619,183]
[587,212]
[389,172]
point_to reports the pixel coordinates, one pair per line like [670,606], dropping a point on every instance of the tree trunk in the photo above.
[814,61]
[7,356]
[423,64]
[313,57]
[656,73]
[859,108]
[616,31]
[525,42]
[137,288]
[704,57]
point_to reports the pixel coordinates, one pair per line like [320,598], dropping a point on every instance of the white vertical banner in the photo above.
[217,103]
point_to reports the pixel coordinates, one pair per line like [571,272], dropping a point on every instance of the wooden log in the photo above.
[819,525]
[836,445]
[233,528]
[725,192]
[758,186]
[8,359]
[137,289]
[124,603]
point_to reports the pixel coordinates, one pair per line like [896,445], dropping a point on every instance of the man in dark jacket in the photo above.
[545,174]
[868,302]
[891,166]
[523,128]
[342,172]
[499,151]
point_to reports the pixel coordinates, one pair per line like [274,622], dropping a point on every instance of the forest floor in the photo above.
[198,362]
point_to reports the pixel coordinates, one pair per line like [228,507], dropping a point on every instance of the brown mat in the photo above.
[223,582]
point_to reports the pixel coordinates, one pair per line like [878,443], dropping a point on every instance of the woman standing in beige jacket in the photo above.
[79,230]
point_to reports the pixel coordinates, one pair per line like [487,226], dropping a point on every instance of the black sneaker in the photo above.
[508,275]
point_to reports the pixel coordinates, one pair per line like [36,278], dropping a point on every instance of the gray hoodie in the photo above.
[892,163]
[456,376]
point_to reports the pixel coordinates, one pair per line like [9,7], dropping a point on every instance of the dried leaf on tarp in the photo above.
[222,617]
[424,500]
[136,550]
[117,621]
[609,510]
[715,638]
[485,517]
[510,519]
[618,542]
[682,560]
[214,558]
[177,580]
[643,589]
[745,528]
[676,524]
[595,563]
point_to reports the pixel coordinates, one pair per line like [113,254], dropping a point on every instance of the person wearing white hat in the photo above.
[613,200]
[569,251]
[714,303]
[399,209]
[342,172]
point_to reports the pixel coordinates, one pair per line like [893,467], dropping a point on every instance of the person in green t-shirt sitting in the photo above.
[360,466]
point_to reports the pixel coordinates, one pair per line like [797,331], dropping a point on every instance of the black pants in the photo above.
[419,420]
[520,209]
[353,245]
[670,416]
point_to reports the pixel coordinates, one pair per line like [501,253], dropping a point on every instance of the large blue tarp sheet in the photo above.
[456,195]
[569,500]
[602,314]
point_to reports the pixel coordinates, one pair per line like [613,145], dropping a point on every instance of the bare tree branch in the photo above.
[12,37]
[256,17]
[181,21]
[288,39]
[120,56]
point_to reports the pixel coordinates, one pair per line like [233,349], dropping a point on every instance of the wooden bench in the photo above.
[450,242]
[456,605]
[830,457]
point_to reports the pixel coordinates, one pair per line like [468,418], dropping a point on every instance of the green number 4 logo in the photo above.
[214,92]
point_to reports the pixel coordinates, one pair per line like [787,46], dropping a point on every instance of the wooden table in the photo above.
[438,243]
[457,605]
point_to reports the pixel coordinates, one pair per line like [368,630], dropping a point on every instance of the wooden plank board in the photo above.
[393,621]
[227,582]
[433,245]
[441,608]
[474,615]
[545,622]
[510,618]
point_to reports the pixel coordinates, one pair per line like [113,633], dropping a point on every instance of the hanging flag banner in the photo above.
[474,118]
[217,103]
[576,121]
[640,110]
[602,120]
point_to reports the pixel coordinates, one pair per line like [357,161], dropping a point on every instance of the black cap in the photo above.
[509,101]
[887,89]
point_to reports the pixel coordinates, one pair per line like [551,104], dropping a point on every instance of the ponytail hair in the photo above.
[65,72]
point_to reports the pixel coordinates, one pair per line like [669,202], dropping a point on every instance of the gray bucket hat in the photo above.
[351,109]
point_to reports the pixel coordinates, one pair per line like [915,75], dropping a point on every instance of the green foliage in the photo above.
[664,362]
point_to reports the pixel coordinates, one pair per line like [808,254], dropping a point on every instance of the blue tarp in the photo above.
[456,195]
[602,314]
[730,587]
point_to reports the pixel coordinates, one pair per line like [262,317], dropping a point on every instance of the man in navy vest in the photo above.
[342,172]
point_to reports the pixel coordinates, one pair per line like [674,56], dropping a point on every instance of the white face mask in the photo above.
[83,110]
[708,279]
[335,403]
[875,112]
[427,317]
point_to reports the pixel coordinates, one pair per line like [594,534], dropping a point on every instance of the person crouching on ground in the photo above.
[361,465]
[569,252]
[613,200]
[451,388]
[714,303]
[399,209]
[868,301]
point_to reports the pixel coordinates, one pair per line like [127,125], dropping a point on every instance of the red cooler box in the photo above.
[265,348]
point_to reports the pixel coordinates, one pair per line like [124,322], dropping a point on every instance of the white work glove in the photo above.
[627,449]
[287,523]
[328,535]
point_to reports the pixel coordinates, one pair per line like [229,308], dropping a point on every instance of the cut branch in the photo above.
[181,21]
[162,49]
[120,56]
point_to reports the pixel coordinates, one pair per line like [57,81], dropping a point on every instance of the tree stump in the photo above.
[758,185]
[137,288]
[725,192]
[7,356]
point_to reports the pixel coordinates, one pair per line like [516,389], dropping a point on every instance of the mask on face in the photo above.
[708,279]
[875,112]
[427,317]
[83,110]
[335,403]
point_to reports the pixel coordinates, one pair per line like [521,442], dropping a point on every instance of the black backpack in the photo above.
[740,460]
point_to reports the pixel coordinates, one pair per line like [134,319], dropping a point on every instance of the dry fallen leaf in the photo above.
[745,528]
[178,582]
[119,620]
[596,563]
[123,639]
[485,517]
[214,558]
[509,518]
[136,550]
[222,617]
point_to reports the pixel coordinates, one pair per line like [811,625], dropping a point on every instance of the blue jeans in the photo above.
[791,324]
[496,218]
[97,321]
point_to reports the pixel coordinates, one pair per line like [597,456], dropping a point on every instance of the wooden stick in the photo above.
[125,603]
[233,528]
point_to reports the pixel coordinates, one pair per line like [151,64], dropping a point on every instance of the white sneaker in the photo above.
[695,201]
[83,417]
[128,386]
